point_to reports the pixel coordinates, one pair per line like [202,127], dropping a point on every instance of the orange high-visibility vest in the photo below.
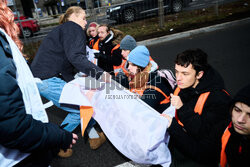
[124,69]
[96,45]
[141,90]
[91,43]
[121,68]
[199,104]
[224,141]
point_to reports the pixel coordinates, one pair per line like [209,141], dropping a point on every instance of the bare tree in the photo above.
[161,13]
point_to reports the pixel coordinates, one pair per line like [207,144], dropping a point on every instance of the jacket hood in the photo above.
[118,36]
[210,81]
[109,37]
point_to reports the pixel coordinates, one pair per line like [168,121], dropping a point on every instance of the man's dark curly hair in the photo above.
[196,57]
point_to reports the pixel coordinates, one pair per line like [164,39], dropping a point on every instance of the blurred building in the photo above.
[54,7]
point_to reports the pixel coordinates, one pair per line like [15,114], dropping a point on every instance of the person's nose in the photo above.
[242,118]
[122,52]
[178,77]
[129,67]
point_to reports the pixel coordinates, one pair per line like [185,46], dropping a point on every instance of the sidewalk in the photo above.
[46,20]
[186,34]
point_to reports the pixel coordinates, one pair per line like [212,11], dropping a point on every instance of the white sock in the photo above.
[92,133]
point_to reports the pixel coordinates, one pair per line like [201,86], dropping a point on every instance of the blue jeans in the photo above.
[51,89]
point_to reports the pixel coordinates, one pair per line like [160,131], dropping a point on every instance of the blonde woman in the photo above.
[92,34]
[61,55]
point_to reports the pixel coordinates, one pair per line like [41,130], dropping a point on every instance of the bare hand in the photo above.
[176,101]
[75,137]
[168,118]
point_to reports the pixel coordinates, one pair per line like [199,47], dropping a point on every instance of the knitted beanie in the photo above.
[243,95]
[139,56]
[128,43]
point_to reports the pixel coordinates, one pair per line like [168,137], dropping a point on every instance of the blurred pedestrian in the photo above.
[236,138]
[201,104]
[26,137]
[60,56]
[92,34]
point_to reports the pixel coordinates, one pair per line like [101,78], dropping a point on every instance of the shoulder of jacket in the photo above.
[218,97]
[70,26]
[5,45]
[5,52]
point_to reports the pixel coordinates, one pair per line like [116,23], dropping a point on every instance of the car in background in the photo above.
[132,10]
[30,26]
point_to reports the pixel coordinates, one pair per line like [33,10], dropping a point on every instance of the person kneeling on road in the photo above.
[152,89]
[201,104]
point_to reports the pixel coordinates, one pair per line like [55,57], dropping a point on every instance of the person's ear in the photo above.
[200,74]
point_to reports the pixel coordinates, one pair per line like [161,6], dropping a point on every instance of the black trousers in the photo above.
[38,159]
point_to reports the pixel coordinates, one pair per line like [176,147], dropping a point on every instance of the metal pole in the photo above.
[37,13]
[216,8]
[18,19]
[98,5]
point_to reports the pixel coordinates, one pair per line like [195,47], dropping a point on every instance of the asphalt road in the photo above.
[195,4]
[228,51]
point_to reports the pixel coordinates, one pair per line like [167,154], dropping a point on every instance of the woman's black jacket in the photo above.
[63,53]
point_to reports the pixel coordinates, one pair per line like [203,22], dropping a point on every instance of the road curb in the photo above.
[185,34]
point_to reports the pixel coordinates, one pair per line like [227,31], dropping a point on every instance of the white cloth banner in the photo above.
[91,57]
[133,127]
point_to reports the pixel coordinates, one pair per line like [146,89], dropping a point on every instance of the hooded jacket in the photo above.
[108,60]
[237,149]
[91,41]
[150,96]
[196,141]
[19,130]
[153,97]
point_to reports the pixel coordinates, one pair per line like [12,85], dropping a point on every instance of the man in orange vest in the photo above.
[201,104]
[236,138]
[109,54]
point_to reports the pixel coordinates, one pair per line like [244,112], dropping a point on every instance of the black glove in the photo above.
[100,56]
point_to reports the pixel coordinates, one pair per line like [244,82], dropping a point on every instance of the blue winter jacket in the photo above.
[19,130]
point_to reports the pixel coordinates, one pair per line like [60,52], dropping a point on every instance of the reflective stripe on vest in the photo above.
[124,69]
[114,48]
[225,137]
[141,90]
[118,69]
[96,45]
[199,104]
